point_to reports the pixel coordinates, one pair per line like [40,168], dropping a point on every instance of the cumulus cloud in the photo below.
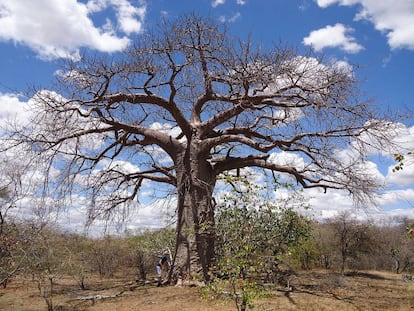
[336,36]
[13,109]
[326,3]
[393,18]
[390,204]
[393,197]
[58,29]
[326,205]
[216,3]
[230,19]
[155,215]
[288,159]
[402,177]
[10,106]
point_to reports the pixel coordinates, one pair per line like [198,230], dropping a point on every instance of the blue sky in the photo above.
[334,28]
[375,37]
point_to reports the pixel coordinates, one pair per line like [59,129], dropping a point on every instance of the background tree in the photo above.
[105,256]
[10,188]
[306,254]
[399,245]
[325,239]
[147,248]
[187,103]
[351,238]
[16,236]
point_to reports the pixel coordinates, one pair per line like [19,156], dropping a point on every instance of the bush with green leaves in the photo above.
[252,236]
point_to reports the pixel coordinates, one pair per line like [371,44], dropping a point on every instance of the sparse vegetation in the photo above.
[262,250]
[311,290]
[57,268]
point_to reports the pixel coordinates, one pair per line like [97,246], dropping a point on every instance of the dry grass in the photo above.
[316,290]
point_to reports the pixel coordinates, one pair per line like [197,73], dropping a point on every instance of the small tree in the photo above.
[10,182]
[47,260]
[402,248]
[146,248]
[352,238]
[9,249]
[104,255]
[17,242]
[306,253]
[77,262]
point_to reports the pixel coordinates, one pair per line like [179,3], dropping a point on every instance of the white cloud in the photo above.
[58,29]
[123,166]
[326,3]
[404,138]
[234,17]
[343,66]
[16,114]
[307,72]
[336,36]
[231,19]
[166,128]
[404,177]
[393,18]
[127,16]
[287,158]
[394,197]
[333,202]
[216,3]
[325,205]
[396,213]
[13,110]
[10,106]
[155,215]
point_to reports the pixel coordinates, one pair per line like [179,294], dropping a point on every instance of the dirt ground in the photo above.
[316,290]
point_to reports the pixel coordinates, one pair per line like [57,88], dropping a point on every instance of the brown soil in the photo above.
[317,290]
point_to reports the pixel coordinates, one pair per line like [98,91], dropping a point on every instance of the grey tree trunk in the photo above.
[194,251]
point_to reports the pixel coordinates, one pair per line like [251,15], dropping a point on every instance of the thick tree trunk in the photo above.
[195,219]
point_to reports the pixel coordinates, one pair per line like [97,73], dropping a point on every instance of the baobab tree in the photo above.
[188,102]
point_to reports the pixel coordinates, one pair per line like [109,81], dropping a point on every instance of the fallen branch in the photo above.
[99,297]
[131,287]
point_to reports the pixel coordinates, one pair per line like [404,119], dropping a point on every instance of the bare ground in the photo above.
[316,290]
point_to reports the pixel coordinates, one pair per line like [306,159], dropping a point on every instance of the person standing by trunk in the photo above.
[163,269]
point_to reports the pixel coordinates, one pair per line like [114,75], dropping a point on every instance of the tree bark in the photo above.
[194,251]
